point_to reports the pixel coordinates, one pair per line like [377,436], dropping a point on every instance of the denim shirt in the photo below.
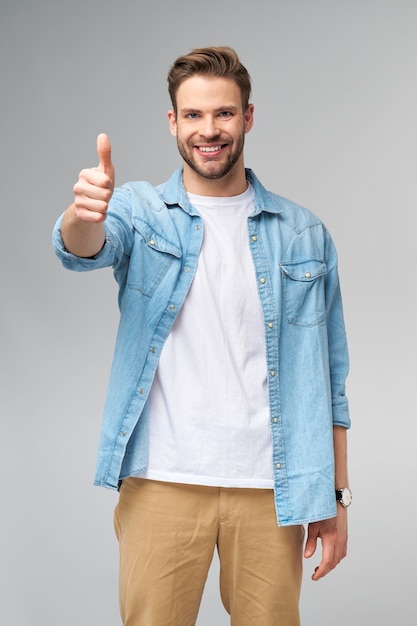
[153,239]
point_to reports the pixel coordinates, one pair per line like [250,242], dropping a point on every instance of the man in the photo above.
[226,417]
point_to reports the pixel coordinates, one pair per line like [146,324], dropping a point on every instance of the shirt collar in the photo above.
[173,193]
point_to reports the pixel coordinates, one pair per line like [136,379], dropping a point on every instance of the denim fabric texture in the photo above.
[153,239]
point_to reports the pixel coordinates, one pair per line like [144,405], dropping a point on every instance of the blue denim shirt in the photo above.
[153,239]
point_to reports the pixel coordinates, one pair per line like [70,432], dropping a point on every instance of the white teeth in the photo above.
[209,148]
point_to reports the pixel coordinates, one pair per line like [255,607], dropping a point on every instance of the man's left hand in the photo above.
[333,534]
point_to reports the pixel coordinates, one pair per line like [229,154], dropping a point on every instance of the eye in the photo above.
[192,116]
[225,114]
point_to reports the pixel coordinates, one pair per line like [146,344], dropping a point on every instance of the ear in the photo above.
[249,118]
[172,118]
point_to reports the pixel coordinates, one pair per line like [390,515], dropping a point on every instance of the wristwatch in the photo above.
[344,496]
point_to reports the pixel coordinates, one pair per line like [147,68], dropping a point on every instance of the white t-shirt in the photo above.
[208,406]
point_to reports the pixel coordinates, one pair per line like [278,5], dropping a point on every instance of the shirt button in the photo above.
[254,238]
[186,269]
[270,325]
[278,465]
[123,433]
[262,280]
[275,420]
[272,372]
[172,307]
[307,275]
[152,242]
[141,390]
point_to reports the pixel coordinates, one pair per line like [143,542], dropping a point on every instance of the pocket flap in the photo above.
[304,271]
[154,239]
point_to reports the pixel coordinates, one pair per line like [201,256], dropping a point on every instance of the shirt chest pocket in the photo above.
[151,258]
[304,292]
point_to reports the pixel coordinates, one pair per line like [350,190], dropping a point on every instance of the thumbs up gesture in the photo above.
[94,188]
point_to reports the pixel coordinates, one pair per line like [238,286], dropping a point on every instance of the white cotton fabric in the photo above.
[208,406]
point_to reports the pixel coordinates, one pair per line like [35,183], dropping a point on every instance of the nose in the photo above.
[209,127]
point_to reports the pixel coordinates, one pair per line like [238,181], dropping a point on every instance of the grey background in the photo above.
[335,129]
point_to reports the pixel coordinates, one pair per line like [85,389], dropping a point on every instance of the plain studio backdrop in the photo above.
[335,97]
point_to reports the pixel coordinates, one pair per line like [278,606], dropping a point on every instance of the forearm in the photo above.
[340,457]
[333,532]
[84,239]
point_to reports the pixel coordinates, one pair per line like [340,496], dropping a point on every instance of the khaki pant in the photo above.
[167,534]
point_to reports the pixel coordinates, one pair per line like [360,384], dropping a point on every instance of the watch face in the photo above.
[346,496]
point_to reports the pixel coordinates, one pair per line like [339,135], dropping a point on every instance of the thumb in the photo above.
[104,155]
[310,548]
[311,543]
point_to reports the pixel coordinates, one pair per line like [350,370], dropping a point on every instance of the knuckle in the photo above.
[107,195]
[102,207]
[77,187]
[84,174]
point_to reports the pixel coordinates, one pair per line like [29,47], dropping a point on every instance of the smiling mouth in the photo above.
[210,149]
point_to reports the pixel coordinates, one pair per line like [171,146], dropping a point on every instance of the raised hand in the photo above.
[82,228]
[94,188]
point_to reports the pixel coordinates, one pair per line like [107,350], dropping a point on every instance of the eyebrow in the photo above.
[230,107]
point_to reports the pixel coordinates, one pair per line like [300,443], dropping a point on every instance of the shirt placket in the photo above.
[186,274]
[271,312]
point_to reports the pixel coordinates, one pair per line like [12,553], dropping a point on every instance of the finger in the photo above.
[328,562]
[89,215]
[92,184]
[104,155]
[316,574]
[94,205]
[322,570]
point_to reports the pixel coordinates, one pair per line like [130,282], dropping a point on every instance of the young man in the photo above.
[226,417]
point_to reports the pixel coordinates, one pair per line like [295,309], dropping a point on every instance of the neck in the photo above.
[233,184]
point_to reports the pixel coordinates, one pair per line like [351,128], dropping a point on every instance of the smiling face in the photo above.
[210,127]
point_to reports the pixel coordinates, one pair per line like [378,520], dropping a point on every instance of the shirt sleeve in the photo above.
[338,348]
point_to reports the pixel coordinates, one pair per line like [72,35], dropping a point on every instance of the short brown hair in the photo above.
[214,61]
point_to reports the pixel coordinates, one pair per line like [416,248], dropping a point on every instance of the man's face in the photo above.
[210,126]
